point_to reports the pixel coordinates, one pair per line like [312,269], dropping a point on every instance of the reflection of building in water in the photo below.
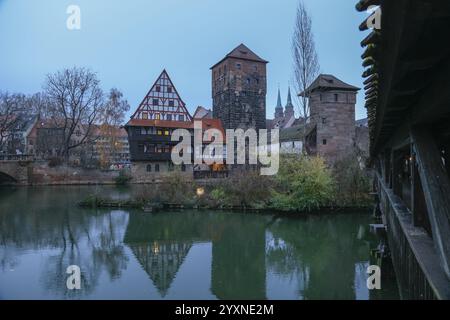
[238,264]
[162,241]
[161,261]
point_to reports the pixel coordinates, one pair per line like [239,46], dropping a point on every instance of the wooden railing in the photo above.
[210,174]
[16,157]
[414,256]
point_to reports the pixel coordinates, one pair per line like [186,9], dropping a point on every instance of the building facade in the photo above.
[239,86]
[150,130]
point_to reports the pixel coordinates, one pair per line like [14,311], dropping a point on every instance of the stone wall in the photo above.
[140,174]
[333,112]
[67,175]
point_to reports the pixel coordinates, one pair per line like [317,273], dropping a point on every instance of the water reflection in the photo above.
[187,255]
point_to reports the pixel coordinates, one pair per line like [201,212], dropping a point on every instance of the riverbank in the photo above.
[147,206]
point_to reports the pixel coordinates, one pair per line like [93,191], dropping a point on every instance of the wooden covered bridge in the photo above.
[407,83]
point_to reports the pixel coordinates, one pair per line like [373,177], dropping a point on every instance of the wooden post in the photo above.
[436,191]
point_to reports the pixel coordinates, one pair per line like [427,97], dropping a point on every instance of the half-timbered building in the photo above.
[161,112]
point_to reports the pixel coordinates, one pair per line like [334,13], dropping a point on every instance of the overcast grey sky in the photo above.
[128,43]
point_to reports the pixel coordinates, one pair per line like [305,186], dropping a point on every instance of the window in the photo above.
[324,141]
[156,167]
[159,132]
[155,102]
[255,68]
[144,115]
[238,66]
[169,89]
[320,97]
[166,132]
[171,103]
[169,117]
[149,168]
[181,118]
[158,89]
[248,81]
[157,116]
[336,97]
[324,120]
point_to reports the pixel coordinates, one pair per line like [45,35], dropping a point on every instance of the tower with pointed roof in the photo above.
[332,117]
[289,109]
[239,87]
[279,112]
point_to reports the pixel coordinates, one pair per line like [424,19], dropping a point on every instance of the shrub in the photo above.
[303,184]
[123,178]
[352,180]
[54,162]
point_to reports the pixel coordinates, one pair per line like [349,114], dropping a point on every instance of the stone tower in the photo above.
[239,89]
[279,113]
[289,110]
[332,123]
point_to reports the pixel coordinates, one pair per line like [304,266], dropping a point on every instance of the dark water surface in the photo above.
[185,255]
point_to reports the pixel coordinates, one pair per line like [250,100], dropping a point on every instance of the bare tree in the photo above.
[10,107]
[111,117]
[75,100]
[306,61]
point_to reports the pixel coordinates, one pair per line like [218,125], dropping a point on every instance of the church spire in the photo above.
[279,99]
[289,110]
[279,108]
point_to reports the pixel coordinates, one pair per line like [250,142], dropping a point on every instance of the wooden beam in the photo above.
[436,190]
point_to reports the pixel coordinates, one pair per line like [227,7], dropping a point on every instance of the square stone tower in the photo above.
[332,121]
[239,87]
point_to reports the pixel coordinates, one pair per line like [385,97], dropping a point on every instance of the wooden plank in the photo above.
[436,190]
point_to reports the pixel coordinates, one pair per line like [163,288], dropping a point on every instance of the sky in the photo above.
[128,43]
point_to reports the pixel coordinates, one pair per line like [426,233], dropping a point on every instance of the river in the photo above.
[128,254]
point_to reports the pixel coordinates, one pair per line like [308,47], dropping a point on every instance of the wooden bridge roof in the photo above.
[408,66]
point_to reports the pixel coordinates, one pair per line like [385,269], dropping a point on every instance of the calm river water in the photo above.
[177,255]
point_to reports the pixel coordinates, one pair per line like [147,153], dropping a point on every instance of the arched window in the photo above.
[149,168]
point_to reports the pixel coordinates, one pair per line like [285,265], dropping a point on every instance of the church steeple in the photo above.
[279,108]
[289,110]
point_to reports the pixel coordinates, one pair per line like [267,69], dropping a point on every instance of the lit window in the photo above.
[160,132]
[157,116]
[166,132]
[145,115]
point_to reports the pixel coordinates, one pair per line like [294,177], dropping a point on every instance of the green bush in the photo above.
[303,184]
[353,181]
[123,178]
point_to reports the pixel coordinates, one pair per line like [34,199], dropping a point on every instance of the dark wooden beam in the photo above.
[436,191]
